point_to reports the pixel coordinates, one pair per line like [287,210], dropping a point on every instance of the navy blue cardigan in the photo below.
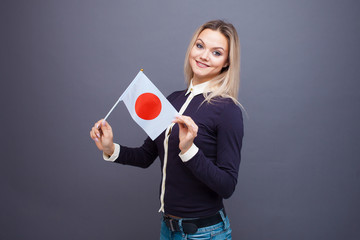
[196,188]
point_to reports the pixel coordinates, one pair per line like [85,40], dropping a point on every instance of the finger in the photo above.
[96,132]
[97,128]
[93,136]
[106,129]
[182,126]
[180,123]
[105,125]
[179,120]
[192,129]
[192,124]
[183,118]
[98,123]
[186,128]
[188,122]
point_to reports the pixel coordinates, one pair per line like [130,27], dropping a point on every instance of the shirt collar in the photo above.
[197,89]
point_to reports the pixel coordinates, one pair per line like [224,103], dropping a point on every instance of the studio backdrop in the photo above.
[65,63]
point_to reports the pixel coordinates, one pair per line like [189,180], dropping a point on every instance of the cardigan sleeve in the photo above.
[142,156]
[221,175]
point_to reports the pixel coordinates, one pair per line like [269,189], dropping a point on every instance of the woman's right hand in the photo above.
[102,134]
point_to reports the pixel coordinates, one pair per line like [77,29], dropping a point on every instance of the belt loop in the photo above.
[223,218]
[171,225]
[180,225]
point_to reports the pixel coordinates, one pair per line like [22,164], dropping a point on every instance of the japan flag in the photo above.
[148,106]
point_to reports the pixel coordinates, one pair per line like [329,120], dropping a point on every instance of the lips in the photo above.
[201,65]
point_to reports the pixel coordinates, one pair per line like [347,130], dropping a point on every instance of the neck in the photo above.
[199,81]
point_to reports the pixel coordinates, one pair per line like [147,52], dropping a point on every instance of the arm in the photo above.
[221,175]
[143,156]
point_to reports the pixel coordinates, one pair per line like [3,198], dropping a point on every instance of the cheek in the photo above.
[194,52]
[219,62]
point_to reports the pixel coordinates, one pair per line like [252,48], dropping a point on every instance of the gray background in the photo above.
[64,64]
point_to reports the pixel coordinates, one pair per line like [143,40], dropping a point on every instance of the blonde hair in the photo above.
[227,83]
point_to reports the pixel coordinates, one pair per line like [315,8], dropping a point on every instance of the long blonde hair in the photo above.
[227,83]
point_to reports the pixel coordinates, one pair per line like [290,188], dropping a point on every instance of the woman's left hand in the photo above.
[187,132]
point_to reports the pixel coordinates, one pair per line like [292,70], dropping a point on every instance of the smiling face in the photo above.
[208,56]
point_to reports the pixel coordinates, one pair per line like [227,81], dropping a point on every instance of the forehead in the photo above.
[213,38]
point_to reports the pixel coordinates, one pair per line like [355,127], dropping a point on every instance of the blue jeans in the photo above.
[219,231]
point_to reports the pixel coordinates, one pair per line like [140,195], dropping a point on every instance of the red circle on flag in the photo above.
[148,106]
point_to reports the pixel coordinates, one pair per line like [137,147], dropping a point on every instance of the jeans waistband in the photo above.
[190,226]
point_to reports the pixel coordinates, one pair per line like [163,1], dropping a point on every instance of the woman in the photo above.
[200,150]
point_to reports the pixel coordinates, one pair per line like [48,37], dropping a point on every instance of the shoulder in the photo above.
[228,114]
[225,106]
[175,95]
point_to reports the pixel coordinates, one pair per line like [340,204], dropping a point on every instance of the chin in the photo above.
[200,75]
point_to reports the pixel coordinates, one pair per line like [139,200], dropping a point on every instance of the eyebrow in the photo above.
[214,47]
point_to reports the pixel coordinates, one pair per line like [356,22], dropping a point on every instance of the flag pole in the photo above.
[107,115]
[117,102]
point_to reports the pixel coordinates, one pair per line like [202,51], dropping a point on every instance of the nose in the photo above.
[205,55]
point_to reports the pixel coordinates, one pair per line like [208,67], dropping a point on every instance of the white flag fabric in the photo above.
[148,106]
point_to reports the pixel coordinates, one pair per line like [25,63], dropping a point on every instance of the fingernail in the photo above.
[96,139]
[97,125]
[98,135]
[103,123]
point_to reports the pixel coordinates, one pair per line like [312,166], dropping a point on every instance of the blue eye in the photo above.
[216,53]
[198,45]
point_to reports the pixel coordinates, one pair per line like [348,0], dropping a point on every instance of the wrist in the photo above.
[184,149]
[189,154]
[109,151]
